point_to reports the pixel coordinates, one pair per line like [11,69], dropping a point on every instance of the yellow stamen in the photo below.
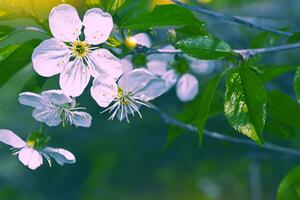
[80,49]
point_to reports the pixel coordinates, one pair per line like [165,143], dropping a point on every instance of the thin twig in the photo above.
[245,53]
[269,146]
[230,18]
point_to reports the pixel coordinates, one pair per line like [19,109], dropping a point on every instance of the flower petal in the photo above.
[143,39]
[57,97]
[170,78]
[50,57]
[74,79]
[61,156]
[30,158]
[126,65]
[47,116]
[97,26]
[135,80]
[157,67]
[202,66]
[187,87]
[105,62]
[65,23]
[82,119]
[31,99]
[11,139]
[154,88]
[104,90]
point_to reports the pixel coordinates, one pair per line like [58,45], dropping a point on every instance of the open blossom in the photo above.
[32,157]
[53,107]
[74,58]
[133,90]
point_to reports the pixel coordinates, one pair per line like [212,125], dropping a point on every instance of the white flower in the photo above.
[54,107]
[133,90]
[31,157]
[76,60]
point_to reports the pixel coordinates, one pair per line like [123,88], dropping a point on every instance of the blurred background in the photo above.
[120,161]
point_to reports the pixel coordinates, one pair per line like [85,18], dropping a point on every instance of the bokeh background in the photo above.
[120,161]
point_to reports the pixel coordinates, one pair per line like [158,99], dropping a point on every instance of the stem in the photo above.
[245,53]
[269,146]
[248,53]
[230,18]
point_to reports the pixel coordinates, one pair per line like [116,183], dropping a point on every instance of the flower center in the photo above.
[30,143]
[123,98]
[80,49]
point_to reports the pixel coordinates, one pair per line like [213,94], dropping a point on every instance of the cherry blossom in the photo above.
[74,51]
[53,107]
[30,155]
[133,89]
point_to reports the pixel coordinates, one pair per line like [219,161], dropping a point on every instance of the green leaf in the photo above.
[265,39]
[16,61]
[5,30]
[34,84]
[204,47]
[294,38]
[279,129]
[205,105]
[289,188]
[282,108]
[162,16]
[114,5]
[272,72]
[297,83]
[245,103]
[21,36]
[6,51]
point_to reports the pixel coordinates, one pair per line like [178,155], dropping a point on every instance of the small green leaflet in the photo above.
[289,188]
[297,83]
[205,105]
[204,47]
[162,16]
[245,103]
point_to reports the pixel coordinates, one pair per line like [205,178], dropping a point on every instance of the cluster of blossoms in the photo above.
[76,53]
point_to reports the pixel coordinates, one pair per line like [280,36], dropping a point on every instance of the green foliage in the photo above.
[283,110]
[16,61]
[162,16]
[204,47]
[245,103]
[21,36]
[205,105]
[297,83]
[294,38]
[289,188]
[34,84]
[273,71]
[265,39]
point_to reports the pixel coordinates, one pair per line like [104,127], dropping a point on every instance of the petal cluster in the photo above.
[131,91]
[33,158]
[75,59]
[53,107]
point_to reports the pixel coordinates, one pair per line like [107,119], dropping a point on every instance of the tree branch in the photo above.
[230,18]
[245,53]
[269,146]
